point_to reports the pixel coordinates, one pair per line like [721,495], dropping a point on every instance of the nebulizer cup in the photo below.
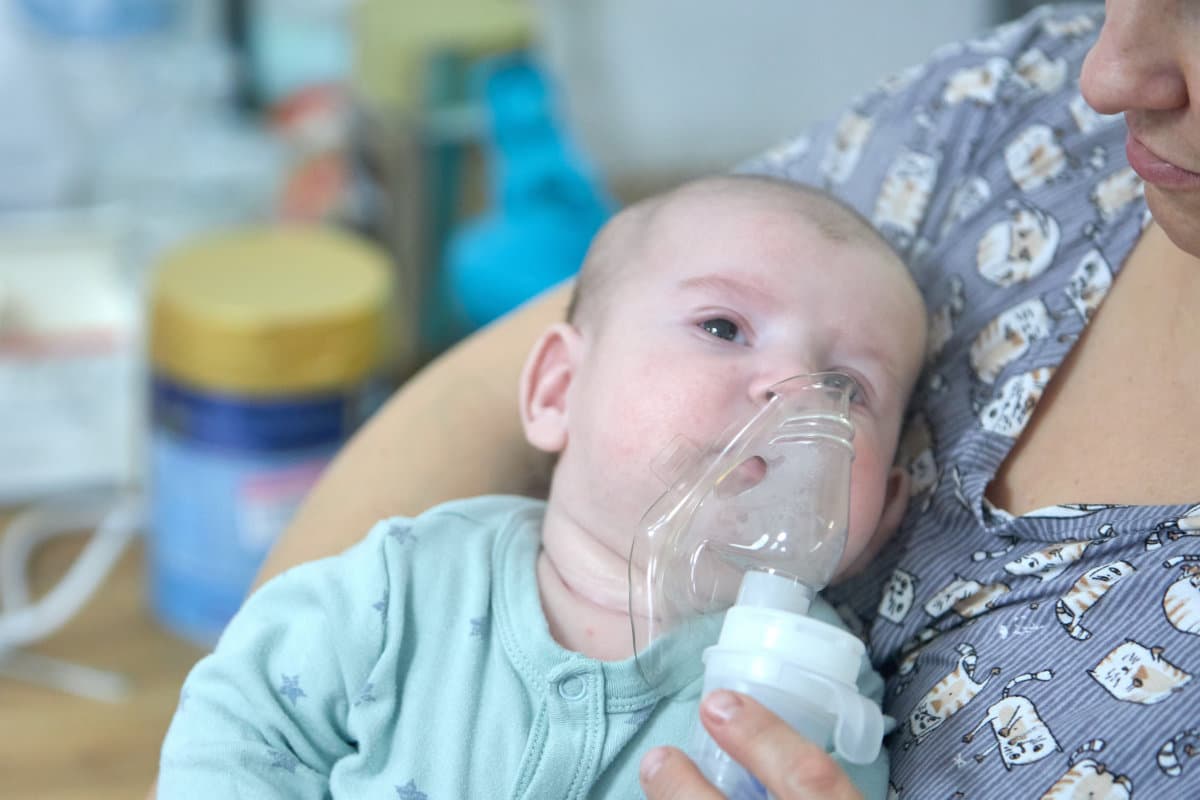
[755,527]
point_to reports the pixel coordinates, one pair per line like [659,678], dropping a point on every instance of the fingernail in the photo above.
[652,763]
[722,705]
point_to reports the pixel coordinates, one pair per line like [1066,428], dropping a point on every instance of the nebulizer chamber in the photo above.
[755,529]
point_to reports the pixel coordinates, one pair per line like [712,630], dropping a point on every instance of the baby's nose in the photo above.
[763,387]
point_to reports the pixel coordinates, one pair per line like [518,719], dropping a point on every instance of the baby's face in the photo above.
[720,303]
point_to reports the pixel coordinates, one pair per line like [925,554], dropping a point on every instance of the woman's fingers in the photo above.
[667,774]
[789,765]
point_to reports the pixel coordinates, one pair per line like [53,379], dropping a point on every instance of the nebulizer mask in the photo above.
[755,527]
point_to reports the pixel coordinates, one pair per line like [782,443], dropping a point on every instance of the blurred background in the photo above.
[229,228]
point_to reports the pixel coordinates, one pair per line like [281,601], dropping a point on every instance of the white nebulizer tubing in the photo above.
[23,621]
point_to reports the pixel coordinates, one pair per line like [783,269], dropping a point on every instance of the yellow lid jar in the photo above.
[265,347]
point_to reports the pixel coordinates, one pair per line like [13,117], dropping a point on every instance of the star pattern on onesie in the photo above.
[290,688]
[409,791]
[638,718]
[365,695]
[401,532]
[281,759]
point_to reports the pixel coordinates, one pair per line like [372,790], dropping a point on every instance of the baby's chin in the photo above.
[857,556]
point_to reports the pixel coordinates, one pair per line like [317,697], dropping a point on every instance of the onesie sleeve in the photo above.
[266,714]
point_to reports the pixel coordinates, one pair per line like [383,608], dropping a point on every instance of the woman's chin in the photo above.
[1178,215]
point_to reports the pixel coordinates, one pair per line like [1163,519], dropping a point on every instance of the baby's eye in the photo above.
[858,396]
[722,329]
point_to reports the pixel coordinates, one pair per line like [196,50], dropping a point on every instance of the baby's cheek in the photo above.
[868,485]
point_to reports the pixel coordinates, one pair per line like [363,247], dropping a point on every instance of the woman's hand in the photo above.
[790,766]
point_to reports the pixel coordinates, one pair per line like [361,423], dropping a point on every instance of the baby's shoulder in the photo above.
[456,531]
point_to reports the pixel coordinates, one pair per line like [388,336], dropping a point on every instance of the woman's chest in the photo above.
[1116,419]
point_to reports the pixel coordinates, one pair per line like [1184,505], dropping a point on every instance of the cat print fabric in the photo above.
[1047,655]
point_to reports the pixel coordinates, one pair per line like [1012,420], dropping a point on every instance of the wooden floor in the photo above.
[60,747]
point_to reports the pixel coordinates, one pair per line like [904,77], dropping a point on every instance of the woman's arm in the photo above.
[451,431]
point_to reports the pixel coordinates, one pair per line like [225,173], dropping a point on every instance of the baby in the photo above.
[483,649]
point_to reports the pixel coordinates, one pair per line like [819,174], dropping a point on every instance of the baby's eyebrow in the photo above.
[724,284]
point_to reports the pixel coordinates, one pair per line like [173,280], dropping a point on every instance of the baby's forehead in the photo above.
[742,201]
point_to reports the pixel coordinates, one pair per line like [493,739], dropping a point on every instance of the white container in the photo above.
[805,671]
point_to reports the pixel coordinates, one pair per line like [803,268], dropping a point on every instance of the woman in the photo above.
[1040,608]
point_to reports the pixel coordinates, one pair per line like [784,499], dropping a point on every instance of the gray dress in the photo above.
[1051,654]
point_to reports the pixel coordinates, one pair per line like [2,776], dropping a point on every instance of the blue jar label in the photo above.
[226,476]
[265,425]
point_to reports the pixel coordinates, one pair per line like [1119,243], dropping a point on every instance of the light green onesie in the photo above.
[418,664]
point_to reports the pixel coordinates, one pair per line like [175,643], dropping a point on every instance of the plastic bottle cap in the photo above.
[804,669]
[270,311]
[807,643]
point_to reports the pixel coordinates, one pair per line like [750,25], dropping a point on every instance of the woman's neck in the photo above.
[1106,430]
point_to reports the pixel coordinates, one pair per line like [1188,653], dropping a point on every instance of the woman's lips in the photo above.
[1154,170]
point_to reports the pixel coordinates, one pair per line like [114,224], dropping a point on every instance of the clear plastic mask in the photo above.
[773,496]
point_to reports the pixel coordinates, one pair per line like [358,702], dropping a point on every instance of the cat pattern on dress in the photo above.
[1073,27]
[948,695]
[1134,673]
[842,156]
[1089,779]
[1018,248]
[982,601]
[1173,530]
[1007,544]
[1087,591]
[905,194]
[1049,562]
[1035,157]
[970,197]
[1176,751]
[1008,337]
[1115,192]
[976,84]
[944,599]
[966,597]
[1089,284]
[1020,734]
[1008,413]
[1181,601]
[1040,73]
[907,669]
[1073,510]
[898,596]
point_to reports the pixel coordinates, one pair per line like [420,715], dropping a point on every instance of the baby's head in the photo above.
[689,306]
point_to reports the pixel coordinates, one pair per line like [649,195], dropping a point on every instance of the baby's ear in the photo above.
[895,503]
[545,380]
